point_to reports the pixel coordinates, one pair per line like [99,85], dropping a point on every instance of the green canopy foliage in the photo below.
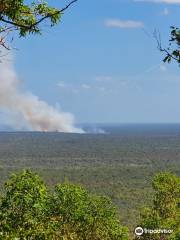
[29,211]
[165,212]
[25,17]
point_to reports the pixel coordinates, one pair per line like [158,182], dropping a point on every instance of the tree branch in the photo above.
[14,23]
[168,54]
[50,15]
[161,49]
[31,27]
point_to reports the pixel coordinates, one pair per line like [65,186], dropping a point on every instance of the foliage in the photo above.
[165,212]
[29,211]
[22,207]
[25,17]
[118,165]
[172,52]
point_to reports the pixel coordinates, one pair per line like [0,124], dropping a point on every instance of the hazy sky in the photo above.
[102,64]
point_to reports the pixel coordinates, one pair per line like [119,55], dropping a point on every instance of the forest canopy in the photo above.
[30,210]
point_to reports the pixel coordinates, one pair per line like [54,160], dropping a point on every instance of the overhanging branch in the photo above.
[31,27]
[169,55]
[51,15]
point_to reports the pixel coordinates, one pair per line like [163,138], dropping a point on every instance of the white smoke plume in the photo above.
[27,110]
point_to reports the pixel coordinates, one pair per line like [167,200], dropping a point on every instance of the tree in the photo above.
[172,52]
[29,211]
[26,18]
[165,212]
[85,216]
[22,208]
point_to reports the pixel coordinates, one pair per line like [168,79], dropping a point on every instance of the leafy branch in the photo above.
[15,15]
[172,52]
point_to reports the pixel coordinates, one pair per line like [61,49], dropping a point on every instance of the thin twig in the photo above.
[157,36]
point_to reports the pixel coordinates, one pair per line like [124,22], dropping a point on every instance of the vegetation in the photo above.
[29,211]
[26,17]
[115,165]
[172,52]
[165,212]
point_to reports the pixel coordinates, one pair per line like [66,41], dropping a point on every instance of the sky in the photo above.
[101,63]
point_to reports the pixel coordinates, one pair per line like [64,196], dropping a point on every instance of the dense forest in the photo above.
[29,210]
[119,167]
[89,186]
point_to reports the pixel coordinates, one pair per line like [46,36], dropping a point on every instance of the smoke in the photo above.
[94,129]
[26,111]
[97,130]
